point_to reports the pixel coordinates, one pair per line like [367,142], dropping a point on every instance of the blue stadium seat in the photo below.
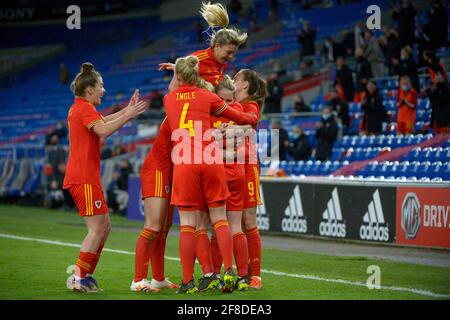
[422,170]
[412,169]
[298,168]
[434,170]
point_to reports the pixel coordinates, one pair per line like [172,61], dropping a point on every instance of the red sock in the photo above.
[142,255]
[240,249]
[97,257]
[157,256]
[254,250]
[215,255]
[187,252]
[225,241]
[203,251]
[85,262]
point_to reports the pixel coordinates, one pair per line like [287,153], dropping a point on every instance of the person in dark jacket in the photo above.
[275,124]
[300,105]
[438,23]
[344,80]
[374,111]
[299,149]
[307,39]
[392,51]
[405,15]
[275,94]
[439,95]
[326,134]
[408,67]
[363,70]
[340,108]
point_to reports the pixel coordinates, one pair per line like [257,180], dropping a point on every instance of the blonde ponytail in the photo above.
[216,16]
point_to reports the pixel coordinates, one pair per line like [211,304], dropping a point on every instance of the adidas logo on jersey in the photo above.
[374,224]
[334,225]
[262,220]
[294,220]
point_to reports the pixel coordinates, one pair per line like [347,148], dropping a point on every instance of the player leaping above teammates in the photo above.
[224,44]
[86,127]
[189,110]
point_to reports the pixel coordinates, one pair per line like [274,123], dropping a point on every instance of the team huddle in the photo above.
[193,165]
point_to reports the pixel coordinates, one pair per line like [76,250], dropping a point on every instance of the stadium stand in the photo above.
[33,101]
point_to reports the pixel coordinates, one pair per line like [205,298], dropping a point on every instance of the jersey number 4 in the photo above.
[189,124]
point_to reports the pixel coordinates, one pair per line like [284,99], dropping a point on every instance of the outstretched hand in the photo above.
[134,98]
[166,66]
[133,110]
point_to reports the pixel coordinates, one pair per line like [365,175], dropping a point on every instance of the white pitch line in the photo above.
[277,273]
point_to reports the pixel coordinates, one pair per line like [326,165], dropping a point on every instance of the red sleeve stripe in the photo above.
[95,122]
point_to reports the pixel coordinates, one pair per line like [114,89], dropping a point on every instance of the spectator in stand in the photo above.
[344,81]
[118,190]
[348,42]
[408,67]
[55,153]
[64,74]
[424,42]
[438,24]
[405,16]
[331,50]
[300,148]
[363,71]
[434,66]
[275,124]
[407,105]
[326,135]
[60,131]
[117,149]
[307,39]
[439,95]
[300,105]
[275,94]
[374,111]
[55,197]
[340,108]
[358,35]
[373,53]
[392,51]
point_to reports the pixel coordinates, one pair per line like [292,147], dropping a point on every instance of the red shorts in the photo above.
[252,197]
[156,183]
[194,184]
[89,199]
[236,185]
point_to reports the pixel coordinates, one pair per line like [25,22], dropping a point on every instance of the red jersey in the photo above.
[251,107]
[159,156]
[209,69]
[83,165]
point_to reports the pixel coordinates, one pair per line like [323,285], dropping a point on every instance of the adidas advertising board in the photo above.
[374,226]
[333,224]
[294,219]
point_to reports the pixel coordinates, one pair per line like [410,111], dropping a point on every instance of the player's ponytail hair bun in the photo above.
[87,67]
[216,16]
[87,76]
[187,69]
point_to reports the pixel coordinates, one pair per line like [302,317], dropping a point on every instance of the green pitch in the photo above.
[37,270]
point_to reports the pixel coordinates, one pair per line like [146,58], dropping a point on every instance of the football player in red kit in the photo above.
[189,110]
